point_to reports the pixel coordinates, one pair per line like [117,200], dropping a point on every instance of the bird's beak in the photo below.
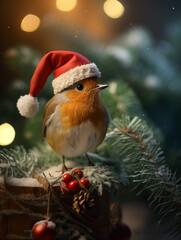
[102,86]
[99,87]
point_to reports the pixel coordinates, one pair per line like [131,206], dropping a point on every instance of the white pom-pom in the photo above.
[28,106]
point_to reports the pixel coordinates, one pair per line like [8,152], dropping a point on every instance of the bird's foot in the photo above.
[64,168]
[90,163]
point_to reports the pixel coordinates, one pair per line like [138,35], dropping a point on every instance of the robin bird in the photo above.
[75,119]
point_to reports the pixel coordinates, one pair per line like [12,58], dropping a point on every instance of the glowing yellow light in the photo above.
[30,23]
[66,5]
[7,134]
[113,8]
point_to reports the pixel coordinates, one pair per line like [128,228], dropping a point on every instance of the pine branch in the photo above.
[16,162]
[133,140]
[101,178]
[120,99]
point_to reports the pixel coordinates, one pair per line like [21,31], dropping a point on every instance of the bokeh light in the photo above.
[113,8]
[66,5]
[30,23]
[7,134]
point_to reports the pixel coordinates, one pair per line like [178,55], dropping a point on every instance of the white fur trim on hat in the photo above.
[74,75]
[28,106]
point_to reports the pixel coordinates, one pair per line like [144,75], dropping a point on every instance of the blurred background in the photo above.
[135,44]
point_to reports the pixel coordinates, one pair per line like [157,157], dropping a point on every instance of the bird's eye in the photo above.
[80,87]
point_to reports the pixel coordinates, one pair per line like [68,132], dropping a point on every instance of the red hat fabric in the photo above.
[68,67]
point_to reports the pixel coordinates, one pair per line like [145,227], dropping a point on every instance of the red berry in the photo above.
[120,232]
[85,182]
[64,188]
[44,230]
[67,178]
[74,186]
[80,173]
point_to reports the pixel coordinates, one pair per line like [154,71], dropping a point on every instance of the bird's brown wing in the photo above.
[56,101]
[48,111]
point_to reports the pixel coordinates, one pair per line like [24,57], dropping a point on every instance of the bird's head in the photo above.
[85,90]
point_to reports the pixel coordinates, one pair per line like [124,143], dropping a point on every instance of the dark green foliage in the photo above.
[133,141]
[120,99]
[16,163]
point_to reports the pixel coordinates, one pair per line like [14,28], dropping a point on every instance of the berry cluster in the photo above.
[74,181]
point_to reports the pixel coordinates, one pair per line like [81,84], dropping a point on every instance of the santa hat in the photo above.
[69,68]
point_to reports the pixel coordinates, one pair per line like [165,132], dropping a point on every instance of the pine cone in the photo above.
[83,202]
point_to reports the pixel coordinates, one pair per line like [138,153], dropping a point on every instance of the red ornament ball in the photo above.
[64,189]
[85,182]
[67,178]
[120,232]
[44,230]
[73,186]
[80,173]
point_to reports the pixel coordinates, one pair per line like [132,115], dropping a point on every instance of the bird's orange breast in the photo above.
[87,107]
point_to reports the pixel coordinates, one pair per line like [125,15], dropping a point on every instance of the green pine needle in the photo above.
[16,162]
[133,141]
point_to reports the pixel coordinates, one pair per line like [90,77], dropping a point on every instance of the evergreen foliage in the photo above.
[16,162]
[101,178]
[134,142]
[120,99]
